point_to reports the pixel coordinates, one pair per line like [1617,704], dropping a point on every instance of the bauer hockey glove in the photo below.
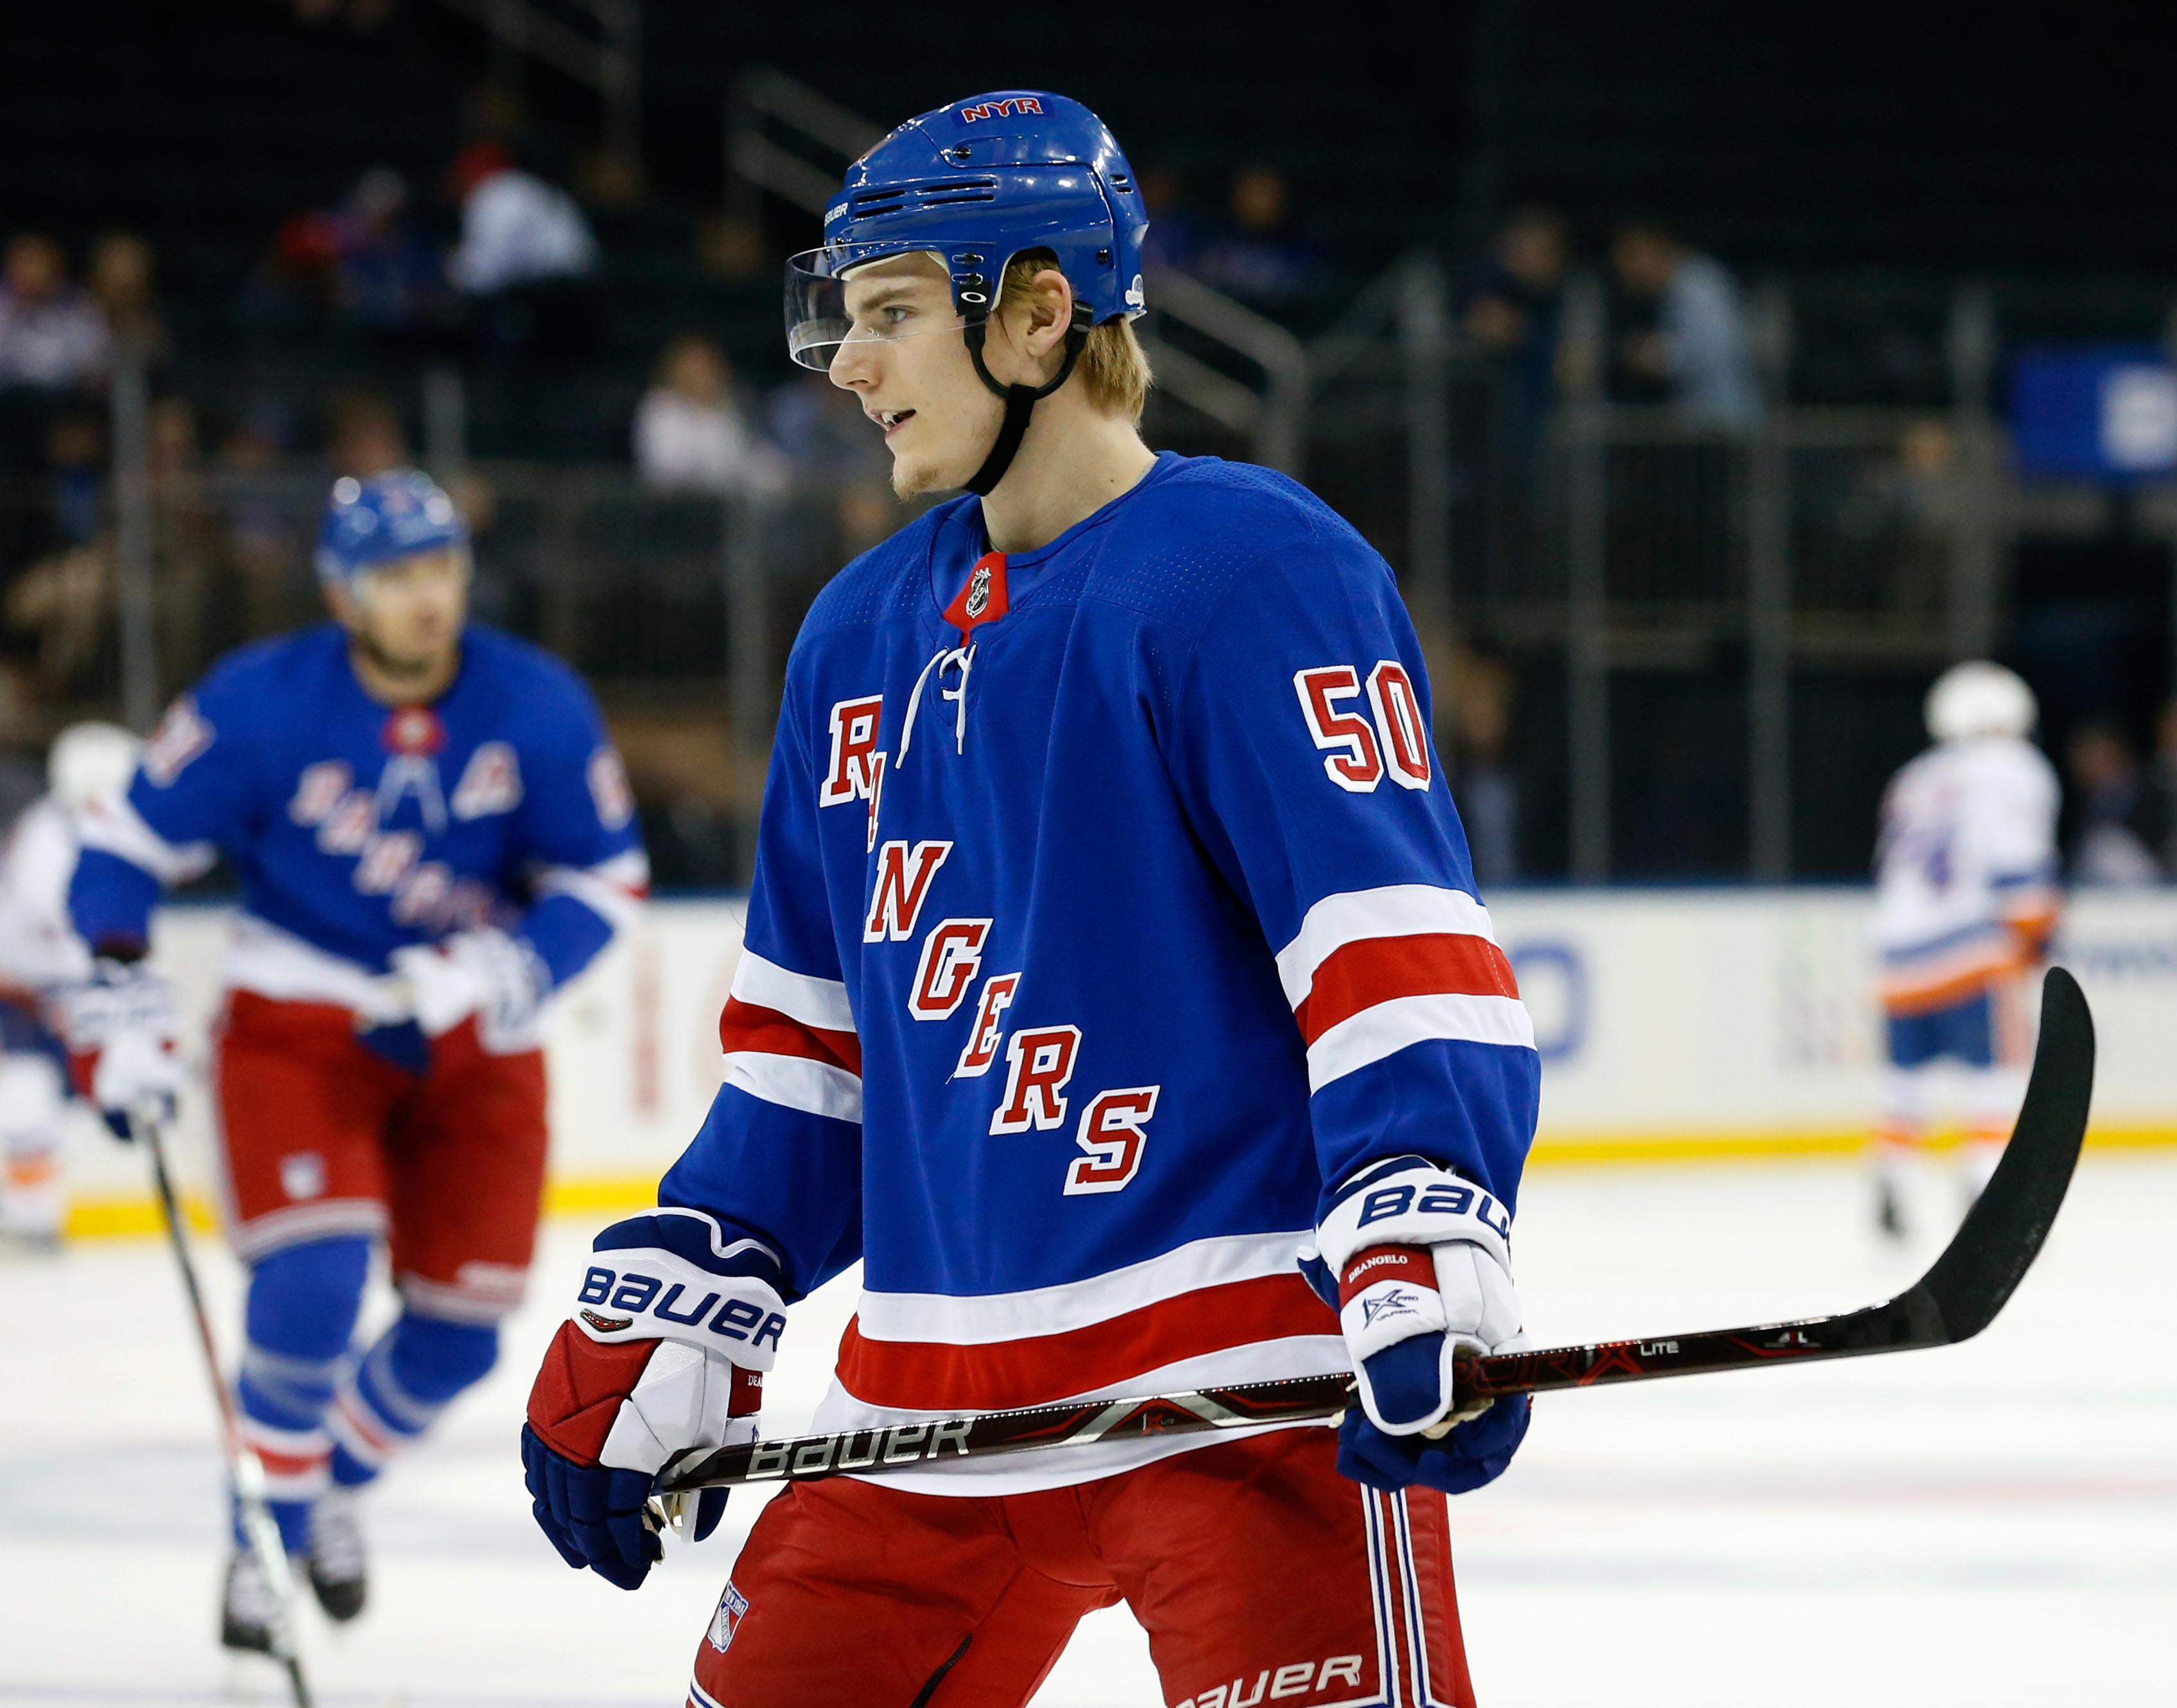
[676,1322]
[121,1029]
[1416,1262]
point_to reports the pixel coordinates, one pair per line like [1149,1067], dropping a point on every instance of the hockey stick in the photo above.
[259,1531]
[1957,1298]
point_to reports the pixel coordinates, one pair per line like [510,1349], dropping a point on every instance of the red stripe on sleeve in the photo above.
[1378,969]
[933,1376]
[744,1026]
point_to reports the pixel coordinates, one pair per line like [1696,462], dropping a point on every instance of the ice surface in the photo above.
[1992,1525]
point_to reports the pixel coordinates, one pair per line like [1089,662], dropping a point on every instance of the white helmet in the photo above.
[89,760]
[1977,698]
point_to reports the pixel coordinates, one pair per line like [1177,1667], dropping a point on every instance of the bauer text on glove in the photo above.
[674,1326]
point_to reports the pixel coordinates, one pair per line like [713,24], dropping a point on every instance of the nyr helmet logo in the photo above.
[978,591]
[1000,109]
[1135,298]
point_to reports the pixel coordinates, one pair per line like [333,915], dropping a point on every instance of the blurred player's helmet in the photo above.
[392,514]
[1977,698]
[89,762]
[973,184]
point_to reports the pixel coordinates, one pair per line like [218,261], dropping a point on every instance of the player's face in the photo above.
[938,418]
[407,614]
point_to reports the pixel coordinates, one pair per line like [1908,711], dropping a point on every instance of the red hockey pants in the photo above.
[1262,1576]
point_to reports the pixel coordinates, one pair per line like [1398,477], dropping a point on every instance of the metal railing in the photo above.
[604,53]
[1624,553]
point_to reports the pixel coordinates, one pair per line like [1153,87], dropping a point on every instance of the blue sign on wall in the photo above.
[2105,411]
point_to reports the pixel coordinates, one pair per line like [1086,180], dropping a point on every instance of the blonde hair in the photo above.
[1114,368]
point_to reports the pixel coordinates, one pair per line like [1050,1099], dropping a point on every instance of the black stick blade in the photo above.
[2003,1232]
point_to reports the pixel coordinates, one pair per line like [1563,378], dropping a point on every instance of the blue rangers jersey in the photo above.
[1111,911]
[357,829]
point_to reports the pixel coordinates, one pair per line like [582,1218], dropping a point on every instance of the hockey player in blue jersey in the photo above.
[1114,988]
[433,835]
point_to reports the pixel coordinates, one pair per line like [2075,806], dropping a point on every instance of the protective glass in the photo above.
[841,294]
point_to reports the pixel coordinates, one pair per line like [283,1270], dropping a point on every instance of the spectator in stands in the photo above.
[1508,303]
[1696,347]
[1257,258]
[364,436]
[526,259]
[1175,235]
[820,430]
[76,462]
[2158,806]
[386,274]
[120,280]
[265,518]
[2107,846]
[1480,695]
[53,337]
[690,432]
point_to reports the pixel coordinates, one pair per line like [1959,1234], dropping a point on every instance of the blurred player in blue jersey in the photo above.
[433,835]
[1114,988]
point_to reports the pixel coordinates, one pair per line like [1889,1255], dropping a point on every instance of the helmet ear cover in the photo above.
[1020,400]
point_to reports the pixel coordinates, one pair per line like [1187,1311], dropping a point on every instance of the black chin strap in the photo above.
[1020,403]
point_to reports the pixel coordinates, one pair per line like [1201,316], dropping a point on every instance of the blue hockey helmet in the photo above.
[974,184]
[372,521]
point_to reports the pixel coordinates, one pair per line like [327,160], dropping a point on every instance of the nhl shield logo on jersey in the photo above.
[732,1608]
[982,595]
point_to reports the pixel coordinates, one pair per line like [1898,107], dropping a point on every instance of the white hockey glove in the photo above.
[665,1350]
[486,972]
[1422,1262]
[122,1031]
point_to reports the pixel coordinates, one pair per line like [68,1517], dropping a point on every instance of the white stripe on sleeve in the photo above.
[112,826]
[611,889]
[797,1082]
[820,1003]
[1390,1027]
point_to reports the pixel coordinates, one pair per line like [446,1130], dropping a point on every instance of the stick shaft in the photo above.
[1958,1297]
[260,1530]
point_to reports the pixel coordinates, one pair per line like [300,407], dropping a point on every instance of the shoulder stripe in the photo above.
[820,1003]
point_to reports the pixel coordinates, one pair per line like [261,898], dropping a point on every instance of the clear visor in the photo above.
[836,297]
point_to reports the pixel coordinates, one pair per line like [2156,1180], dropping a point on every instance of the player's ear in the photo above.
[1039,313]
[342,604]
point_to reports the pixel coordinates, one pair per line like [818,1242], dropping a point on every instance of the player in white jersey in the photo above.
[40,954]
[1966,901]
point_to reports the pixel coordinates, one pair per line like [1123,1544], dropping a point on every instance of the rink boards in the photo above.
[1673,1024]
